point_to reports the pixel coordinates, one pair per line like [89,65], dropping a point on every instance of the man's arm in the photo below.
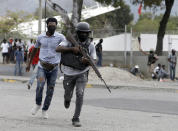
[145,53]
[29,54]
[169,59]
[176,60]
[64,49]
[34,51]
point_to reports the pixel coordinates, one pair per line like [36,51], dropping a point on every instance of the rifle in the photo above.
[70,38]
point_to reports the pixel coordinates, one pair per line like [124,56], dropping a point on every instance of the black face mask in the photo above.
[151,52]
[83,36]
[51,29]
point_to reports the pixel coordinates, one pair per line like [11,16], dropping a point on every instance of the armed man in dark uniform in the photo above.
[75,67]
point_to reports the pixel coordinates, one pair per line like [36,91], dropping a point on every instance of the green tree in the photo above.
[150,23]
[153,4]
[49,13]
[115,20]
[146,23]
[12,20]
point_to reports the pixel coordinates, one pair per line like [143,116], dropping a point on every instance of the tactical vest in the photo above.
[75,60]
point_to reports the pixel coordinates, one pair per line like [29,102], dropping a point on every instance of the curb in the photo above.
[90,85]
[133,87]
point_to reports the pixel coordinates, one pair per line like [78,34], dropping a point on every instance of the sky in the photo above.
[31,5]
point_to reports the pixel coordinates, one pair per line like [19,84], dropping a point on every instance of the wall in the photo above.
[116,58]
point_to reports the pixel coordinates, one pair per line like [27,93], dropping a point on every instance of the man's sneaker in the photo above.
[61,78]
[44,114]
[76,122]
[66,104]
[35,109]
[29,86]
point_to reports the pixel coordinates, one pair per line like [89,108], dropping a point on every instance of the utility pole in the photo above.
[45,15]
[40,16]
[125,46]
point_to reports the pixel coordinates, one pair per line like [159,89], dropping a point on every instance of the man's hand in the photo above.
[174,62]
[85,61]
[76,50]
[28,67]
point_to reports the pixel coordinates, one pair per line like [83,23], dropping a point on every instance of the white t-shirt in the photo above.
[20,44]
[156,70]
[29,45]
[4,47]
[71,71]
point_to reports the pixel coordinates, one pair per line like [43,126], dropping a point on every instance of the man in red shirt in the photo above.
[36,57]
[34,65]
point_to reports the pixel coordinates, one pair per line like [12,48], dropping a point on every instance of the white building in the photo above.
[31,28]
[149,41]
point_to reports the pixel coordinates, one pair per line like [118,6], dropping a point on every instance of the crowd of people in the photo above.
[16,51]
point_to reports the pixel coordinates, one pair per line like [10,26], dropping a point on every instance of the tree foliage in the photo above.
[115,20]
[49,13]
[148,23]
[11,21]
[114,3]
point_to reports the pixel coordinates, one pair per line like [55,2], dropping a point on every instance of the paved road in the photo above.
[8,69]
[167,107]
[138,100]
[133,110]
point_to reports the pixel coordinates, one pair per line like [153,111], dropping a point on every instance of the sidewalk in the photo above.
[137,85]
[6,70]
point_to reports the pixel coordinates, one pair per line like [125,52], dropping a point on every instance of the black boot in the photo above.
[66,104]
[76,122]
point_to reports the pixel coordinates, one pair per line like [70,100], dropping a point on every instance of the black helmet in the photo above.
[83,27]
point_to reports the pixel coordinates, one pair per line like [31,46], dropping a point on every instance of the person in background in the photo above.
[162,74]
[99,51]
[14,48]
[152,58]
[136,71]
[11,53]
[172,59]
[25,53]
[21,44]
[19,61]
[30,44]
[34,66]
[5,50]
[156,71]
